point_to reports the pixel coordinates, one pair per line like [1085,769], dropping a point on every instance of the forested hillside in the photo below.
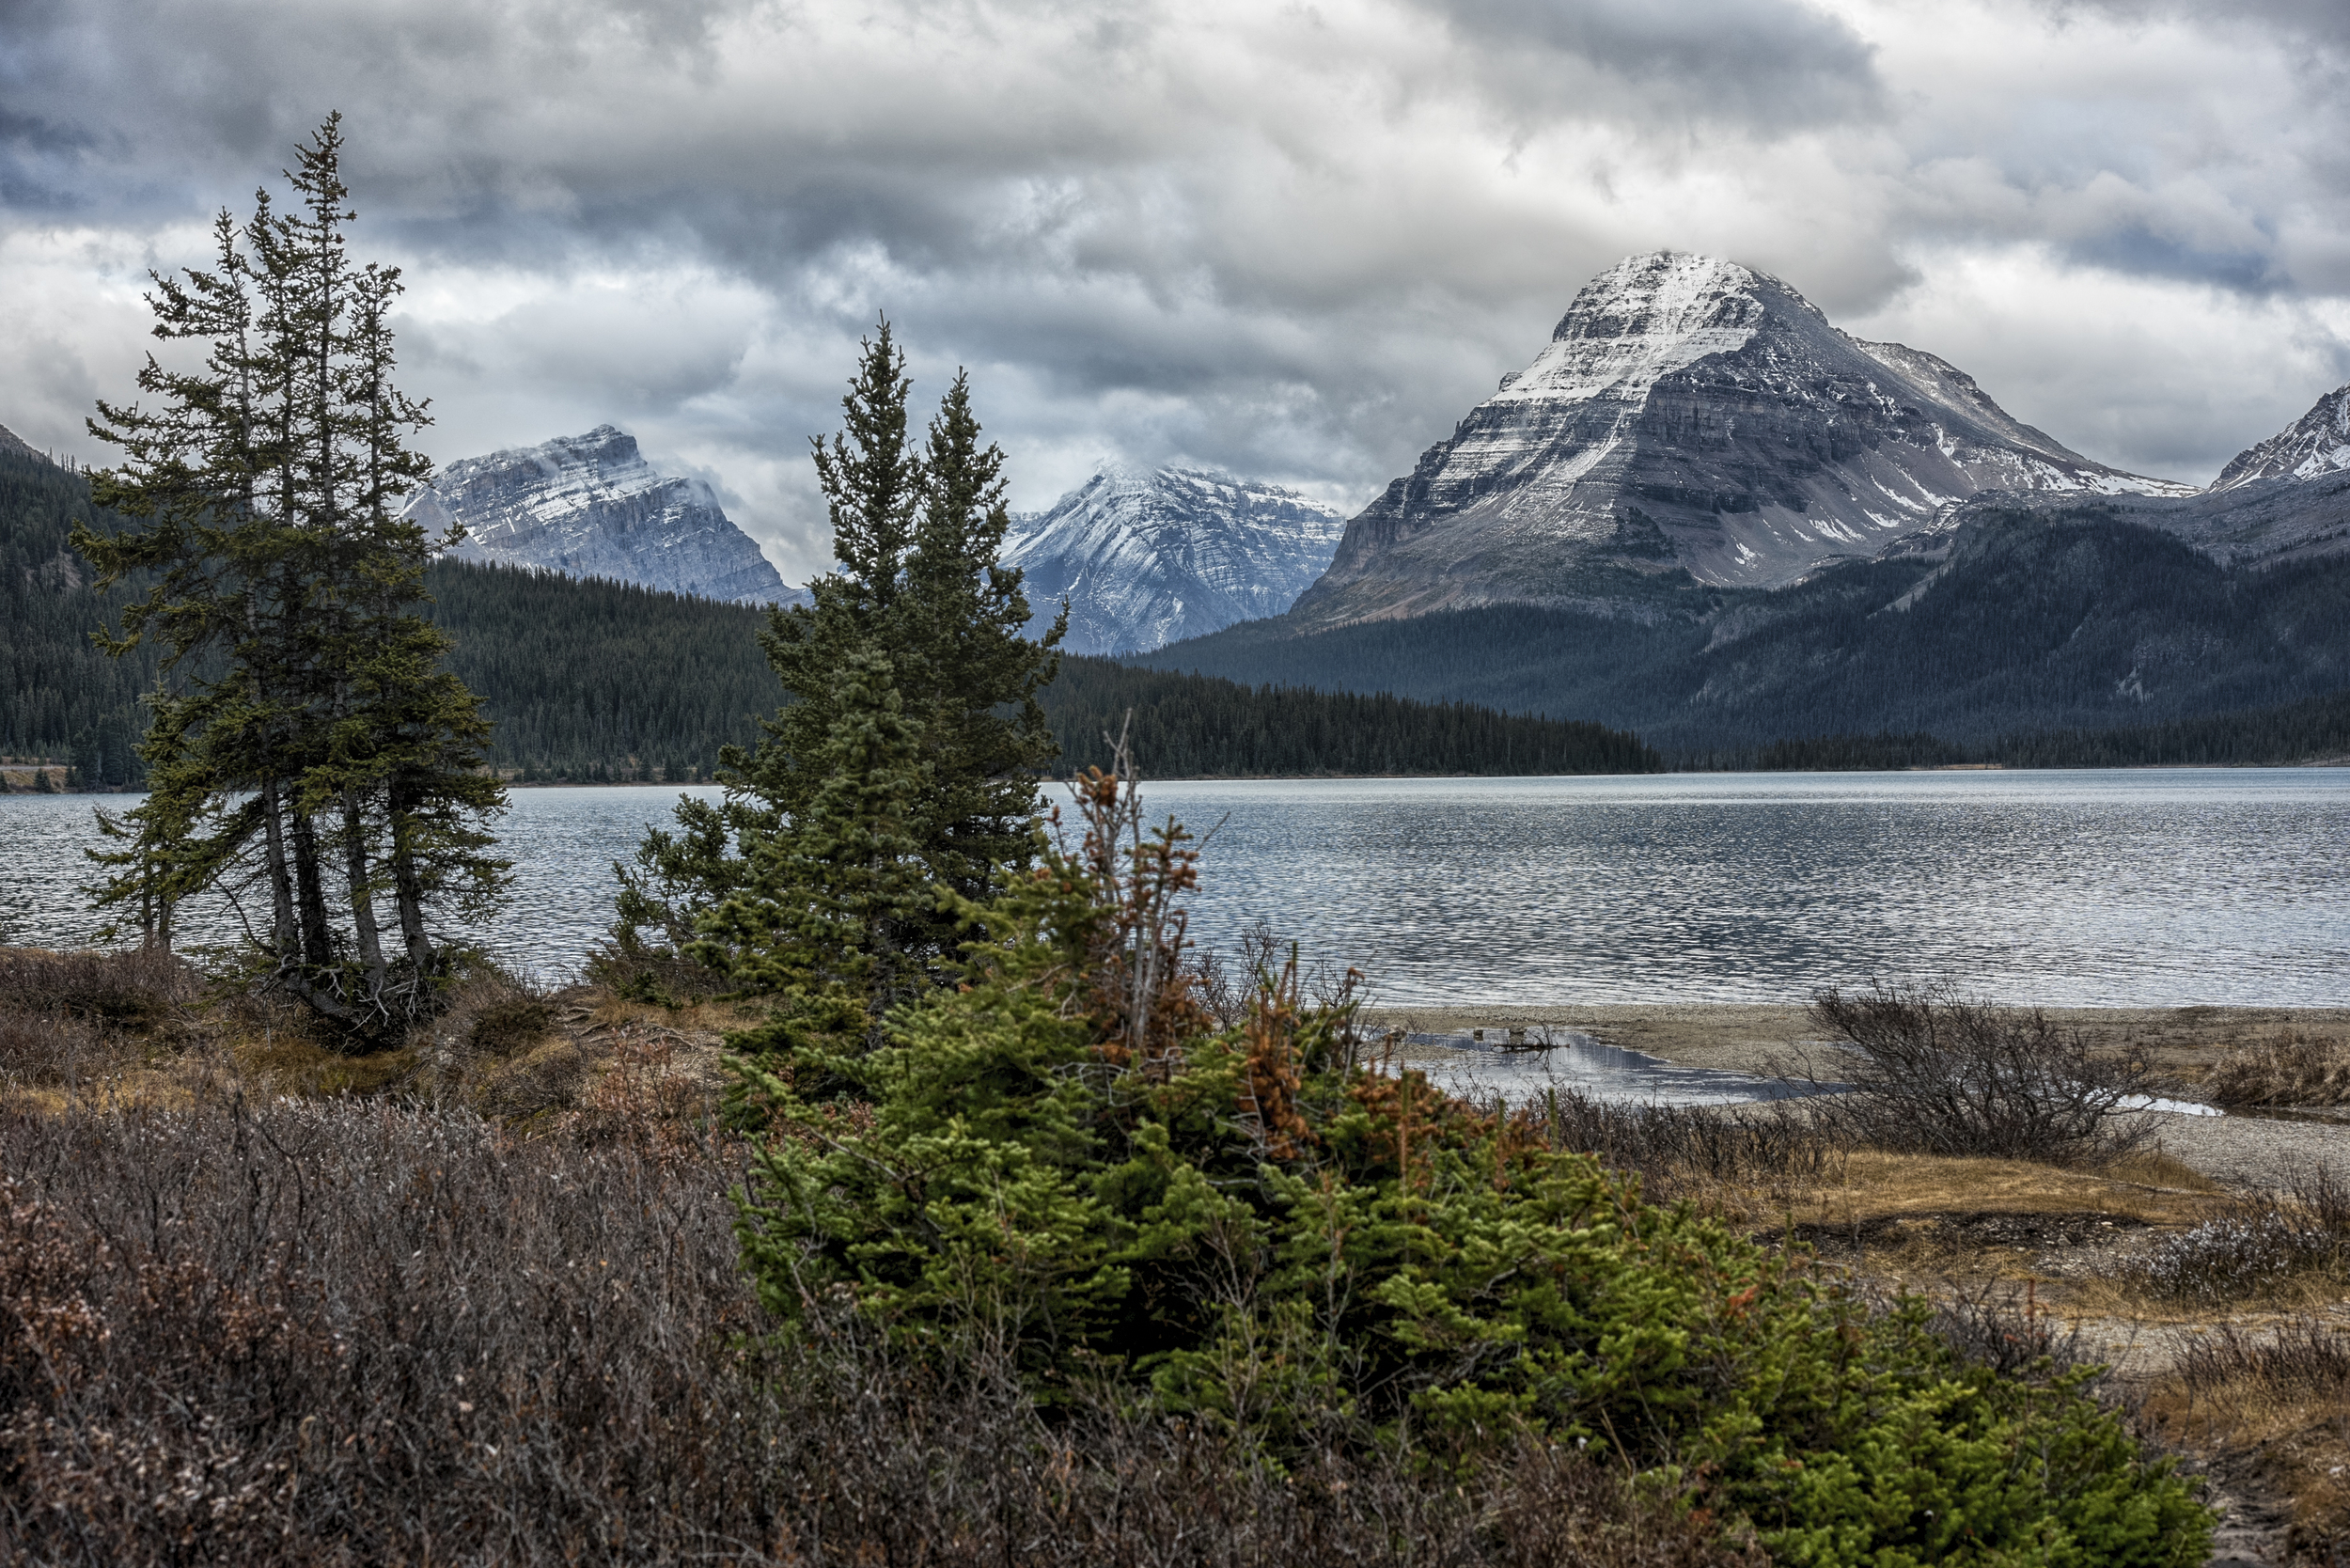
[2033,623]
[60,698]
[596,680]
[1191,726]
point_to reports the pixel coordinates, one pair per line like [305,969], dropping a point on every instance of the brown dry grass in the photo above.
[2290,1067]
[2275,1397]
[2151,1188]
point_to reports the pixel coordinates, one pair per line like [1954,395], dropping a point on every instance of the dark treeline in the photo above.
[1192,726]
[61,700]
[599,681]
[2317,729]
[2314,730]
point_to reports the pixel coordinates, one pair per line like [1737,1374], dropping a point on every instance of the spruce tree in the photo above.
[307,755]
[915,530]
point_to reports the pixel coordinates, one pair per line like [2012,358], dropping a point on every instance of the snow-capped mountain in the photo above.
[1688,412]
[2318,443]
[590,505]
[1146,557]
[2287,499]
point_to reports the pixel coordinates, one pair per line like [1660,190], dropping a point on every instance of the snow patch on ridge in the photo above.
[1637,323]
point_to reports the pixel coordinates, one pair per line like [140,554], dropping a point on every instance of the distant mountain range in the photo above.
[1705,513]
[590,505]
[1147,557]
[1143,556]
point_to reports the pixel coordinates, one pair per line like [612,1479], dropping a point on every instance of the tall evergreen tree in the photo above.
[308,755]
[915,530]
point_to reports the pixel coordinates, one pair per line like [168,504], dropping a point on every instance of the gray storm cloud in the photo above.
[1297,242]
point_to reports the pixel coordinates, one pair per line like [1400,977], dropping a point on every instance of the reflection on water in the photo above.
[2148,888]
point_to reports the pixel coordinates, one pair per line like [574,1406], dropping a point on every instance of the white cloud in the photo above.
[1295,240]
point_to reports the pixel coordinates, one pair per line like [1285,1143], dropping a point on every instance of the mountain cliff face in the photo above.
[1696,414]
[1145,558]
[589,506]
[2285,499]
[2318,444]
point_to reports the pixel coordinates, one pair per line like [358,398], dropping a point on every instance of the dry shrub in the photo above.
[279,1333]
[1930,1072]
[2281,1398]
[2303,1357]
[2003,1327]
[2290,1068]
[134,987]
[43,1050]
[67,1018]
[2255,1247]
[1674,1148]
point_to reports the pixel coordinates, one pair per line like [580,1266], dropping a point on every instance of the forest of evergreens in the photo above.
[595,681]
[1192,726]
[60,698]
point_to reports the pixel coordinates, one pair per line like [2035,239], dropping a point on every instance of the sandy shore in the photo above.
[1744,1037]
[2246,1152]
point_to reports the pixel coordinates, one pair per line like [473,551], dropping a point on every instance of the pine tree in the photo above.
[308,754]
[825,904]
[916,532]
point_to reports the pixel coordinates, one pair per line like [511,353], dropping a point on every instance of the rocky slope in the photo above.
[2284,499]
[2315,444]
[1688,412]
[1146,557]
[589,506]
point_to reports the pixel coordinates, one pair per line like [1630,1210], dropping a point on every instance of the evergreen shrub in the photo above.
[1065,1159]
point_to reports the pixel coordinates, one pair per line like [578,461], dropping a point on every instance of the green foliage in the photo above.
[816,915]
[1066,1158]
[916,534]
[584,674]
[305,750]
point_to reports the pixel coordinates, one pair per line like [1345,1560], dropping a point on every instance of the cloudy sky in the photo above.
[1294,241]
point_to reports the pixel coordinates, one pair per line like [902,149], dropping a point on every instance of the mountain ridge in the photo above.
[1692,413]
[1146,556]
[590,505]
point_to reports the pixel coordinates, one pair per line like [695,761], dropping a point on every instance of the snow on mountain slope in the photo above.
[1147,557]
[2317,443]
[1695,413]
[589,506]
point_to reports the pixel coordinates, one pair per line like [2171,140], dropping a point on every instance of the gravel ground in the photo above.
[2254,1153]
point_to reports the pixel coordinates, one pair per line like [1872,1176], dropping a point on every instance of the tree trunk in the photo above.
[362,898]
[283,938]
[317,941]
[408,886]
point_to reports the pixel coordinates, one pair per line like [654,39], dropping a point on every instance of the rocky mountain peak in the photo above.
[2316,444]
[1688,412]
[1147,557]
[590,505]
[1640,319]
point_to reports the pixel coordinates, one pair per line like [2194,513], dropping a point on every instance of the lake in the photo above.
[2114,889]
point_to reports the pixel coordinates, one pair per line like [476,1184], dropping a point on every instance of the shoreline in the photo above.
[1745,1037]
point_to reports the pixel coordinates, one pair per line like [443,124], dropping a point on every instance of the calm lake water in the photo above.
[2085,888]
